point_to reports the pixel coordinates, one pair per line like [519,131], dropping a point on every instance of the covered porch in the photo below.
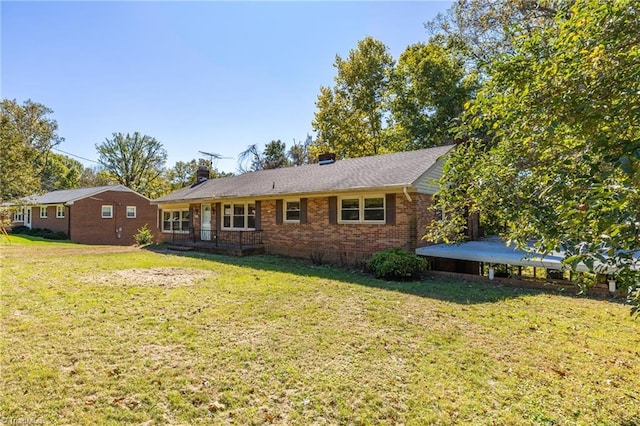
[230,242]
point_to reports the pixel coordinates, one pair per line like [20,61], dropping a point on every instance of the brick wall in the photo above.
[341,243]
[336,243]
[424,216]
[87,225]
[51,222]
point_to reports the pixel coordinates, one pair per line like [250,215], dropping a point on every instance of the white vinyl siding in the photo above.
[428,182]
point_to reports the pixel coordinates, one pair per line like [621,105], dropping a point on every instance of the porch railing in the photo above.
[217,237]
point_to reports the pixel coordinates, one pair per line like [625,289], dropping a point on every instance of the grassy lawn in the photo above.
[111,335]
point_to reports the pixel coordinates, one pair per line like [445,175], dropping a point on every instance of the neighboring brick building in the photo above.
[100,215]
[339,211]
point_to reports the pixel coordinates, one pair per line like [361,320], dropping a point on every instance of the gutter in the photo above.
[406,194]
[269,196]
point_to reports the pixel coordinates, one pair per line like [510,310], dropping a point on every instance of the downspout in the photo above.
[406,194]
[69,223]
[115,219]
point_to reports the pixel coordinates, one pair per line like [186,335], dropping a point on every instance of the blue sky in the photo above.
[197,76]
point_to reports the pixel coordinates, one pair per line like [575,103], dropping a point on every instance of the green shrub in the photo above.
[144,236]
[397,264]
[56,236]
[19,230]
[38,232]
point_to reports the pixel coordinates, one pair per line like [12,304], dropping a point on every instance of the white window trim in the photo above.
[18,215]
[102,211]
[171,211]
[361,219]
[246,216]
[60,211]
[135,212]
[43,212]
[284,210]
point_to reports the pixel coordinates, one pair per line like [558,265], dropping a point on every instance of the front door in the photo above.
[27,217]
[205,222]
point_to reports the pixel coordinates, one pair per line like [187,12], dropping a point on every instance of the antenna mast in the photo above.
[213,158]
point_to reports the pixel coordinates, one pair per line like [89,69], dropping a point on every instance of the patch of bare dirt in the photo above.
[151,277]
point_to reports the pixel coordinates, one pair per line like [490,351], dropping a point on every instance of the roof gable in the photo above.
[376,172]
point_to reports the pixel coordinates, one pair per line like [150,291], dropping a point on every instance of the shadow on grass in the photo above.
[445,289]
[29,239]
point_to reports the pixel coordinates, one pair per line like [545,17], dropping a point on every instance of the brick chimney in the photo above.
[202,174]
[326,158]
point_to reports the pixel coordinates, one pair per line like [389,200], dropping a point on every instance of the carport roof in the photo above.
[494,251]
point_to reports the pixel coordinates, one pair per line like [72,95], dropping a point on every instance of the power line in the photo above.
[73,155]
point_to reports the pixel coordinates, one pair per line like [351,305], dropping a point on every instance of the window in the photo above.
[239,216]
[107,212]
[60,211]
[131,212]
[18,216]
[362,210]
[350,210]
[374,209]
[43,212]
[175,220]
[292,211]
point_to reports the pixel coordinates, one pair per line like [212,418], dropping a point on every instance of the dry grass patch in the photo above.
[155,277]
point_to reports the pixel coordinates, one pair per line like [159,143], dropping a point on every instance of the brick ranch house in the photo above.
[100,215]
[337,211]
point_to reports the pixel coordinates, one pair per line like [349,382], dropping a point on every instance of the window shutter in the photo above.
[278,212]
[333,210]
[258,215]
[218,215]
[303,210]
[390,209]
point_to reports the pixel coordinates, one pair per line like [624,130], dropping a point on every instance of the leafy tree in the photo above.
[352,116]
[253,156]
[134,160]
[26,138]
[562,165]
[481,30]
[430,88]
[273,156]
[95,176]
[61,172]
[184,173]
[299,152]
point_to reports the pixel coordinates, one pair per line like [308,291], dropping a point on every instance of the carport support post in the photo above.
[491,272]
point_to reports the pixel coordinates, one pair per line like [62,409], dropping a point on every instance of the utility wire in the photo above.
[73,155]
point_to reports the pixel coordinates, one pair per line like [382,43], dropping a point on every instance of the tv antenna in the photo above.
[213,158]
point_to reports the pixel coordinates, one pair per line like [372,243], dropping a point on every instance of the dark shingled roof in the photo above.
[380,171]
[70,195]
